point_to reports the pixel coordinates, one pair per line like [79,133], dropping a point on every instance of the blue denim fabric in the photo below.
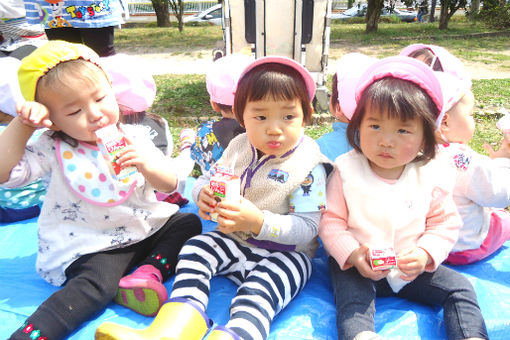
[355,300]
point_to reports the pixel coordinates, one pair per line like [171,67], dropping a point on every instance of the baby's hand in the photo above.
[34,114]
[133,155]
[239,216]
[206,202]
[503,151]
[359,258]
[412,262]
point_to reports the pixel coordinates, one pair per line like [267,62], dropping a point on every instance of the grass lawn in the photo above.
[183,99]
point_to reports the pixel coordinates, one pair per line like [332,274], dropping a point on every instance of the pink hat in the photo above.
[133,85]
[222,78]
[307,77]
[453,89]
[449,63]
[408,69]
[349,69]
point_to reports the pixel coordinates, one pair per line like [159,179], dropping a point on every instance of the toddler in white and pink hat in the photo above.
[212,137]
[135,91]
[482,187]
[342,102]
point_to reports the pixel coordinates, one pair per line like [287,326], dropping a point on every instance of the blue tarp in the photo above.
[311,315]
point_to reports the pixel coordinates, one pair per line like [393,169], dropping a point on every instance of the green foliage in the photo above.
[492,92]
[495,14]
[181,96]
[156,39]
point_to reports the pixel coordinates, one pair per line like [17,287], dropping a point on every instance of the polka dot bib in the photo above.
[88,175]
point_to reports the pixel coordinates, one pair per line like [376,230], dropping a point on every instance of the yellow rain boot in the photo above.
[222,333]
[178,319]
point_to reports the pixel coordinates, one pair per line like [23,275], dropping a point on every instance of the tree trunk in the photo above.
[373,13]
[443,18]
[179,17]
[178,9]
[162,13]
[432,11]
[475,7]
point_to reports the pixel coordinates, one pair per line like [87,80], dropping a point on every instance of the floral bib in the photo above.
[88,175]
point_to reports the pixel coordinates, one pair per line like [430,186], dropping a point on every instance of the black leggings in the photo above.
[98,39]
[93,279]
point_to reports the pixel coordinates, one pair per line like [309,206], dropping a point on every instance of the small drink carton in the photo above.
[110,142]
[382,258]
[225,186]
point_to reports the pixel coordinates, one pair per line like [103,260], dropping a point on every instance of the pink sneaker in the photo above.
[142,291]
[186,137]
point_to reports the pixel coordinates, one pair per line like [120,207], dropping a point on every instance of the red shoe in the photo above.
[142,291]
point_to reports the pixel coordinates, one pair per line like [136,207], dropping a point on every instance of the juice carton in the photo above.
[382,258]
[110,142]
[504,125]
[224,186]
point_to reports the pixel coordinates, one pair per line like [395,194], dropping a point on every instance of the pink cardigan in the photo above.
[437,237]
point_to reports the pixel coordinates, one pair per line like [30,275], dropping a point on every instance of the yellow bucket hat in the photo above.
[46,57]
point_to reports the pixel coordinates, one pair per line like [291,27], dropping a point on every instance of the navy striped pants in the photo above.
[268,280]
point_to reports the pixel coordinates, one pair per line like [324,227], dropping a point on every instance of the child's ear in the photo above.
[445,124]
[215,106]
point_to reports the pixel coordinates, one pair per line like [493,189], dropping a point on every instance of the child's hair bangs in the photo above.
[395,97]
[398,99]
[271,81]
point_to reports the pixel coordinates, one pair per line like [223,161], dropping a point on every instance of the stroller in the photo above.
[298,29]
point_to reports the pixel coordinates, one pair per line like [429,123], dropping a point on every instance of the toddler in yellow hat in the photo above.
[93,227]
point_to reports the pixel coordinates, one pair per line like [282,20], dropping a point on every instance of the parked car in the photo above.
[361,11]
[211,15]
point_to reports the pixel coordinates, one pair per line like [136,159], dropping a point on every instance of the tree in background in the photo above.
[162,13]
[496,13]
[374,8]
[448,9]
[178,9]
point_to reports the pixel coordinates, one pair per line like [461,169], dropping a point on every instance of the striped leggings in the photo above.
[268,280]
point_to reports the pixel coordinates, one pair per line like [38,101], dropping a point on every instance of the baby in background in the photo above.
[213,137]
[16,204]
[342,102]
[482,186]
[135,91]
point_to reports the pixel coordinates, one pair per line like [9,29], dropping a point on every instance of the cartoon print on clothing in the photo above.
[71,212]
[307,185]
[461,161]
[118,235]
[74,13]
[278,175]
[207,149]
[57,12]
[311,195]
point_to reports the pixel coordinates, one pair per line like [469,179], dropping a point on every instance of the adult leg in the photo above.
[69,34]
[268,288]
[99,39]
[92,283]
[445,287]
[354,299]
